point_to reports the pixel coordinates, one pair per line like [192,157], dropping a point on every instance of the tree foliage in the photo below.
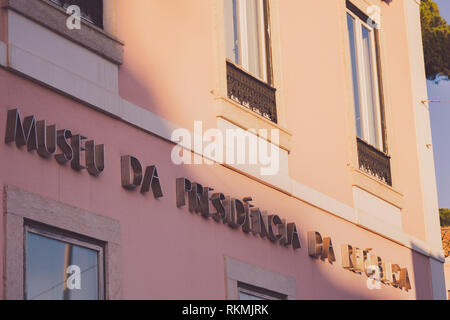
[444,217]
[436,41]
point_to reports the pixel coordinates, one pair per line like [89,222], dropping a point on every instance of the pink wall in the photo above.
[169,252]
[169,69]
[168,61]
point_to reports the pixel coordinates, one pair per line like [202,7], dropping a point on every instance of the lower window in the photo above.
[249,292]
[60,266]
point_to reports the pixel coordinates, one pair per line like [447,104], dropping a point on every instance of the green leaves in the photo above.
[436,41]
[444,217]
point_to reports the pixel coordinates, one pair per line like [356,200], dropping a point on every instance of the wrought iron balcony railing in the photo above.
[251,92]
[374,162]
[91,10]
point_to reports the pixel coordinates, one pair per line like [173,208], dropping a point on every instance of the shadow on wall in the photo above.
[316,274]
[422,271]
[352,285]
[321,272]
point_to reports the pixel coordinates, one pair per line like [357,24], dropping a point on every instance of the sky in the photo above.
[440,125]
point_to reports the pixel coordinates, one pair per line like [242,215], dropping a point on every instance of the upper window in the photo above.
[247,36]
[369,113]
[249,74]
[91,10]
[365,81]
[58,267]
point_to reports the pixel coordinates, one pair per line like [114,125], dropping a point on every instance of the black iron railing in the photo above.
[251,92]
[91,10]
[374,162]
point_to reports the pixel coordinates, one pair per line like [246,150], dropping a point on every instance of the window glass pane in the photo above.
[372,118]
[254,38]
[54,267]
[231,31]
[246,296]
[356,92]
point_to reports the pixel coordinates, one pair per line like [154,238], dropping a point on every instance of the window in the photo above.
[369,113]
[60,267]
[247,36]
[91,10]
[249,292]
[249,73]
[365,81]
[28,213]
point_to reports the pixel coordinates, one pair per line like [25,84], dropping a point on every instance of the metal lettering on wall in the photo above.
[242,214]
[36,135]
[359,261]
[131,176]
[238,214]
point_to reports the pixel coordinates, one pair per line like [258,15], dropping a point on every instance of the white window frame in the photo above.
[243,277]
[363,90]
[52,233]
[242,27]
[22,208]
[261,293]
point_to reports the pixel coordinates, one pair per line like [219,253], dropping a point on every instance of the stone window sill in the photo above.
[246,119]
[377,188]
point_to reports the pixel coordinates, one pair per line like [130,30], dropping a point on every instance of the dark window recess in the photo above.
[251,92]
[249,292]
[91,10]
[374,162]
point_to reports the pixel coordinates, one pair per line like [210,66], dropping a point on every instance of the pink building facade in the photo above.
[117,195]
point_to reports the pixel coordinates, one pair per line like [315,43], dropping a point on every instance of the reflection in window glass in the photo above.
[231,26]
[245,35]
[356,93]
[250,292]
[246,296]
[57,270]
[366,97]
[369,84]
[254,38]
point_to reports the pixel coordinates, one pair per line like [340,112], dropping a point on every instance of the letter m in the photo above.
[22,133]
[246,309]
